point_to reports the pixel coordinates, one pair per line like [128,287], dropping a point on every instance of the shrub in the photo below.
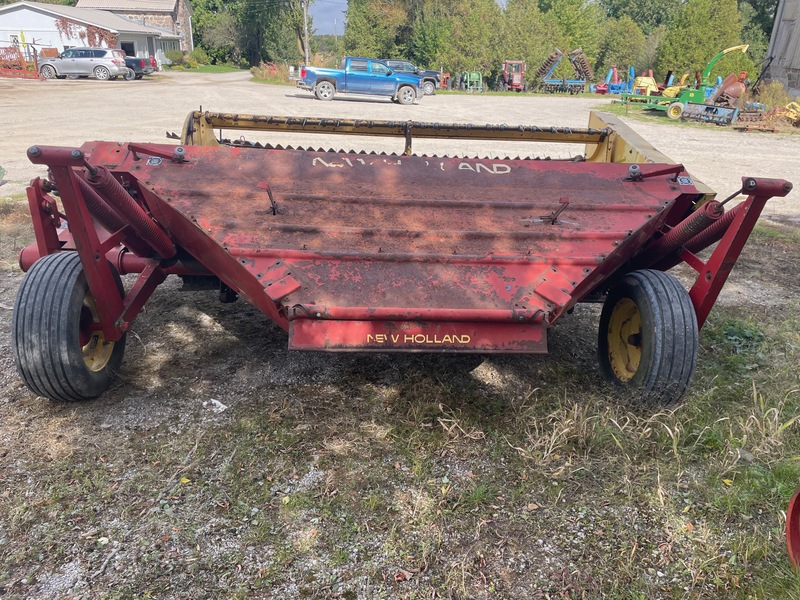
[774,94]
[176,56]
[271,73]
[199,56]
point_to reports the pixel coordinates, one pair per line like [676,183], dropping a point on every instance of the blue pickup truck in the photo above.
[361,76]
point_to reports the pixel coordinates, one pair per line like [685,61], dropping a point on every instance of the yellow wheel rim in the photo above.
[95,349]
[625,340]
[674,112]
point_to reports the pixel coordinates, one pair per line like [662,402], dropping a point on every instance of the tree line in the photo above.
[478,35]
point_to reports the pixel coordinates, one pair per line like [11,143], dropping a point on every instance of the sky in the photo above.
[324,12]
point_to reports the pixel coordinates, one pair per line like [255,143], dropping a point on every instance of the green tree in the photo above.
[689,43]
[373,27]
[527,35]
[580,23]
[432,37]
[475,46]
[647,14]
[753,32]
[623,45]
[760,14]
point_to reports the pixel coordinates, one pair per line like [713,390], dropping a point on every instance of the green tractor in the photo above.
[675,100]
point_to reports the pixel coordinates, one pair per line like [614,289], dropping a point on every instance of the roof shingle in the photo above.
[130,5]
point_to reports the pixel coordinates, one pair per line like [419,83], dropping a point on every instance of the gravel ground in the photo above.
[72,112]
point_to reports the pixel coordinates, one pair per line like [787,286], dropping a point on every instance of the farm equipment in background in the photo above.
[613,85]
[512,77]
[755,117]
[484,258]
[677,100]
[554,85]
[15,63]
[472,81]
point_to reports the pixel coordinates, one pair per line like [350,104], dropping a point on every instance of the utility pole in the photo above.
[304,4]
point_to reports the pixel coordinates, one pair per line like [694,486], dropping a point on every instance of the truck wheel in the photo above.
[406,95]
[648,337]
[428,88]
[325,90]
[48,72]
[675,111]
[57,351]
[130,75]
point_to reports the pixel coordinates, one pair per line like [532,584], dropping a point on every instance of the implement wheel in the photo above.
[675,110]
[325,90]
[648,338]
[58,352]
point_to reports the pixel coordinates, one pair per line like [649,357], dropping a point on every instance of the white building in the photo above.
[31,25]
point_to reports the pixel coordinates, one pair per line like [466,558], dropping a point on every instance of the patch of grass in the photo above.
[764,233]
[16,231]
[408,476]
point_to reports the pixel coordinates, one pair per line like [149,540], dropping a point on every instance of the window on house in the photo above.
[167,45]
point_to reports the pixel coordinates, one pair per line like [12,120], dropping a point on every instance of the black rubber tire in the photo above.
[46,336]
[428,87]
[102,73]
[130,75]
[668,338]
[48,72]
[325,90]
[406,95]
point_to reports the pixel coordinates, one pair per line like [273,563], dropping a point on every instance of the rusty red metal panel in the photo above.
[416,336]
[371,238]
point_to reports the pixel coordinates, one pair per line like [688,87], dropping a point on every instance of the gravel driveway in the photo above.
[72,112]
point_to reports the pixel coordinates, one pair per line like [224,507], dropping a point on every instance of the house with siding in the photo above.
[33,26]
[174,16]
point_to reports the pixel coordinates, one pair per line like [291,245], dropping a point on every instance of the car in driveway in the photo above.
[100,63]
[137,67]
[430,79]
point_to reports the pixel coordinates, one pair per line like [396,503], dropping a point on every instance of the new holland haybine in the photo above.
[357,251]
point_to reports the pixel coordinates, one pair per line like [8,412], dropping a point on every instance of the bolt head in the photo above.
[34,151]
[76,154]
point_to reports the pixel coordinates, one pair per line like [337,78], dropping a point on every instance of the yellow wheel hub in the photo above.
[94,347]
[625,340]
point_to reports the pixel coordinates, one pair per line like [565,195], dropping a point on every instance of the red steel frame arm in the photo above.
[714,272]
[115,310]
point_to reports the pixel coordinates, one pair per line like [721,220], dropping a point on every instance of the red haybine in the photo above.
[357,251]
